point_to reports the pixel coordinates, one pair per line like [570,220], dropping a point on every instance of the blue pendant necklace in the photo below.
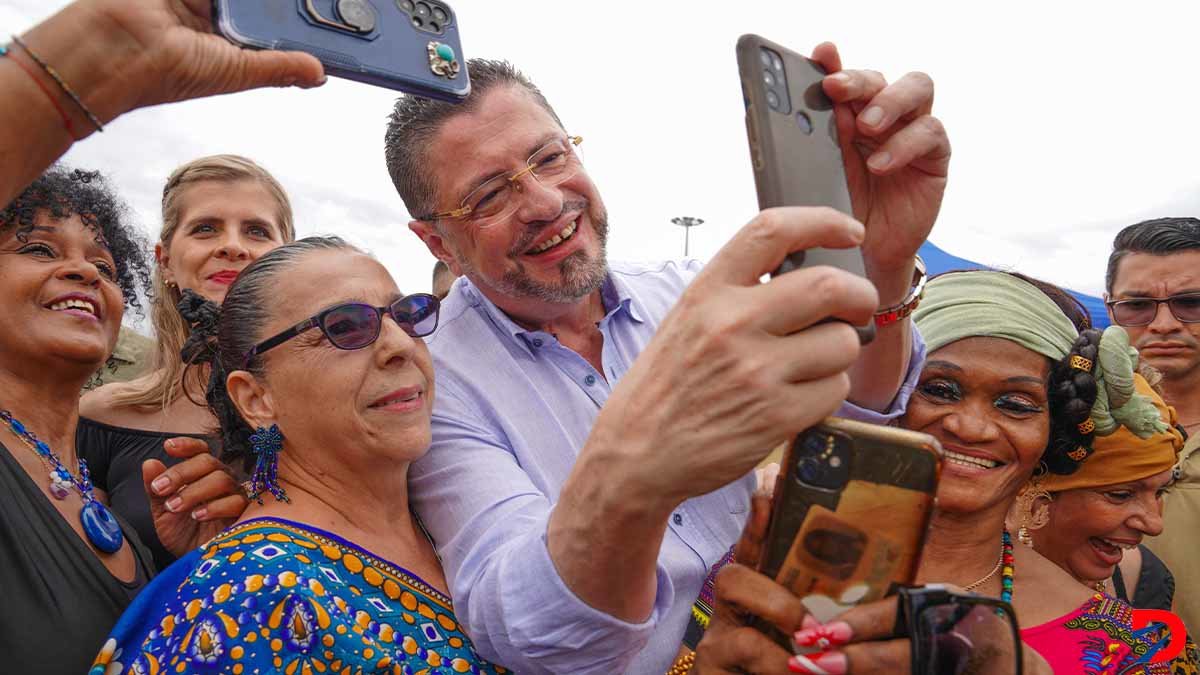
[98,522]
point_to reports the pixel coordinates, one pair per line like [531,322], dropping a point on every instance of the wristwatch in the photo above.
[908,305]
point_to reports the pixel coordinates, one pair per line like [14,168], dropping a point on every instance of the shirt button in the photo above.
[678,519]
[589,380]
[537,342]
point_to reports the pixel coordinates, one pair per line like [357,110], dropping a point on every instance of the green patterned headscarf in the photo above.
[995,304]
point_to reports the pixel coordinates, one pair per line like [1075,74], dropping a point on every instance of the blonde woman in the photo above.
[219,213]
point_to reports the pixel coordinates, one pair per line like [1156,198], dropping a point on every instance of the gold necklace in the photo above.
[977,584]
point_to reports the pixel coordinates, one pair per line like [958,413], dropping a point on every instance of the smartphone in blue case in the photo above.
[409,45]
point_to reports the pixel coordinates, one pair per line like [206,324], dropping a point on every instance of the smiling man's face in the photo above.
[515,256]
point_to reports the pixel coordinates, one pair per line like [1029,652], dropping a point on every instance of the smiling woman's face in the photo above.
[1089,528]
[223,227]
[985,400]
[60,297]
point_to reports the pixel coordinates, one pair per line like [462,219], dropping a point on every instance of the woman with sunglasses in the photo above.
[324,390]
[1092,522]
[219,214]
[1010,388]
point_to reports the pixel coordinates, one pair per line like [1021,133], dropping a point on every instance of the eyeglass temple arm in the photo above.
[275,341]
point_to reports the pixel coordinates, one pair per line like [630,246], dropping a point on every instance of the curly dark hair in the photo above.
[61,193]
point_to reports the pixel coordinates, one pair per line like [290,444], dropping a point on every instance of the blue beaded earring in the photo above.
[266,444]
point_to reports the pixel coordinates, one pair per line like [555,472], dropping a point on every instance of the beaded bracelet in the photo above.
[4,51]
[62,84]
[683,664]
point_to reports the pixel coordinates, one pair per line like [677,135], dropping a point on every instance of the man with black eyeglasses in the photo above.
[1153,291]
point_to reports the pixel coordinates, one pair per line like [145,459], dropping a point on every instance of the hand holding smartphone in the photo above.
[851,509]
[409,45]
[794,147]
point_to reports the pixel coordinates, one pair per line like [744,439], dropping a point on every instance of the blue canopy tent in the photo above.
[938,261]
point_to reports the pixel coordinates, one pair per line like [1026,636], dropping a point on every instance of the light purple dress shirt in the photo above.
[512,410]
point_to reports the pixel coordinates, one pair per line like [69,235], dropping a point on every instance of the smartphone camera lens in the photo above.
[776,62]
[804,122]
[772,100]
[809,471]
[416,21]
[439,15]
[766,58]
[422,10]
[768,78]
[406,6]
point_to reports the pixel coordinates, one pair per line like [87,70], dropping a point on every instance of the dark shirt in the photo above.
[1155,588]
[60,601]
[114,456]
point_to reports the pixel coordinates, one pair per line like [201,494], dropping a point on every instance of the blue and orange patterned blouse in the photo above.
[271,595]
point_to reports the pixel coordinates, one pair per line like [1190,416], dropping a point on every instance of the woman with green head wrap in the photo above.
[1011,388]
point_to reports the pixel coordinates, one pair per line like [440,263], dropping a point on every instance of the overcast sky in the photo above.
[1068,121]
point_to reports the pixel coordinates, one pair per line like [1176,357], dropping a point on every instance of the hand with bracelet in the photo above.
[98,59]
[896,156]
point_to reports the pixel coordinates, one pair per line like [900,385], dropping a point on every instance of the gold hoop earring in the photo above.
[1031,513]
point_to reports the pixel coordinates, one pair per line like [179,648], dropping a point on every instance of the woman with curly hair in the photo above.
[69,266]
[1010,389]
[219,214]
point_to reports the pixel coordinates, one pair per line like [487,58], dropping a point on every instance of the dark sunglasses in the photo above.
[1185,307]
[958,633]
[354,325]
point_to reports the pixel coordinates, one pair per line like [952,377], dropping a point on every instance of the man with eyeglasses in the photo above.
[1153,291]
[596,425]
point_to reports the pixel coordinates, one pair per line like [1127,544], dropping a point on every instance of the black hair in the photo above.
[415,121]
[1160,236]
[1072,394]
[60,193]
[224,335]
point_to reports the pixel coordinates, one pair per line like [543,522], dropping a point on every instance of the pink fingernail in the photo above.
[830,635]
[160,484]
[199,514]
[809,621]
[174,503]
[824,663]
[880,160]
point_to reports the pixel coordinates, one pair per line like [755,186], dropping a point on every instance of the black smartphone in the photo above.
[409,45]
[850,513]
[794,144]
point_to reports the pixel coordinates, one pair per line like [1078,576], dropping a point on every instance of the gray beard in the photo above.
[579,274]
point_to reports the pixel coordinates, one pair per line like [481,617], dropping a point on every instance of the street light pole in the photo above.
[687,223]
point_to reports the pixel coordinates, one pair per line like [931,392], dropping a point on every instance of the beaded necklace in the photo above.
[1006,574]
[98,522]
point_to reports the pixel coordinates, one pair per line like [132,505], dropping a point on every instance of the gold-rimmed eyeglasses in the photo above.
[487,204]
